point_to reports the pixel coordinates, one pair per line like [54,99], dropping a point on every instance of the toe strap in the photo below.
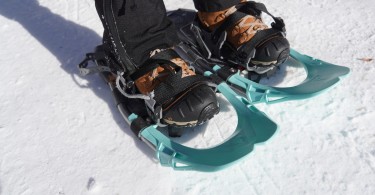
[175,83]
[243,10]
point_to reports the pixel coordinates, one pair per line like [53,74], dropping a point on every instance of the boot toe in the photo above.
[196,107]
[273,51]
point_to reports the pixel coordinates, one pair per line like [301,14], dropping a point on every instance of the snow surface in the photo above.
[61,133]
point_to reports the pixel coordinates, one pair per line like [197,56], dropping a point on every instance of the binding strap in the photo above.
[174,84]
[243,10]
[162,58]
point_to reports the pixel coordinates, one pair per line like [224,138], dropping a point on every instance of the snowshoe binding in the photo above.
[243,63]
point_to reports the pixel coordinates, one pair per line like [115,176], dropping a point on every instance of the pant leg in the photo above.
[143,26]
[214,5]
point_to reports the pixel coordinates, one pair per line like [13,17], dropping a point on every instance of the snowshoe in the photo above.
[253,125]
[164,91]
[208,51]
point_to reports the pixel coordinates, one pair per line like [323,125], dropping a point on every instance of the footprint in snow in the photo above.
[91,184]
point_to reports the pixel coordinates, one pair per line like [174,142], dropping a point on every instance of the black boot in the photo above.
[138,41]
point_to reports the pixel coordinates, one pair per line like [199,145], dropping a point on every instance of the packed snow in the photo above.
[61,133]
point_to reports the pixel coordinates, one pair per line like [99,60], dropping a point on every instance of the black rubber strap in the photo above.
[228,23]
[150,65]
[175,85]
[162,58]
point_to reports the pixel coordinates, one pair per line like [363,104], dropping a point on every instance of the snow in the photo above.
[61,133]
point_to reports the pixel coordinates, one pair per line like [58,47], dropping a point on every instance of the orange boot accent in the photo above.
[241,32]
[149,81]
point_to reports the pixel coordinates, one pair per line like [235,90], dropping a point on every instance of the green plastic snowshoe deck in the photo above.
[321,76]
[253,127]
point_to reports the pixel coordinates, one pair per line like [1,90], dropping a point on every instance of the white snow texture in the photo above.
[61,133]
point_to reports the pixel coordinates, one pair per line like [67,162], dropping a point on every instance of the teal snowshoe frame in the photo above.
[253,127]
[321,76]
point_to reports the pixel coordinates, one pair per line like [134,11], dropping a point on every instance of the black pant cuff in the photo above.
[214,5]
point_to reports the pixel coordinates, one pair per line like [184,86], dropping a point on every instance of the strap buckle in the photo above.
[278,24]
[85,70]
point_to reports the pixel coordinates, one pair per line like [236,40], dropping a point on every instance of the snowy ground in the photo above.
[61,133]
